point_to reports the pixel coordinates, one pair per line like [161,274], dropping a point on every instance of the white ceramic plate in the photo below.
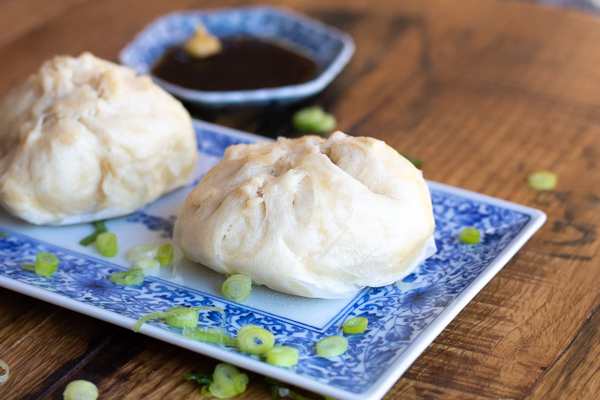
[403,318]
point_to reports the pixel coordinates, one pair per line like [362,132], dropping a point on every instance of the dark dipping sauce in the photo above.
[243,64]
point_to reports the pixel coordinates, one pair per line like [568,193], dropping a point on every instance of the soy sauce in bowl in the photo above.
[243,64]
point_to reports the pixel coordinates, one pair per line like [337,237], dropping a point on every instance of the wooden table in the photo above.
[484,91]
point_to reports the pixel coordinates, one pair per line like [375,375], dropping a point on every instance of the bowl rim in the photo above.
[256,95]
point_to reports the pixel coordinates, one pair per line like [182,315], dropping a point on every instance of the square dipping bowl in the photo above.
[328,47]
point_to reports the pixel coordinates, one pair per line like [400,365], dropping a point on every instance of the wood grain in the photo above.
[485,91]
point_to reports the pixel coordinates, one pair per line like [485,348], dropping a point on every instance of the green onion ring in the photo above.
[470,236]
[128,278]
[240,383]
[216,391]
[313,119]
[237,288]
[143,252]
[45,264]
[4,377]
[542,180]
[283,356]
[355,325]
[81,390]
[107,244]
[165,254]
[224,376]
[332,346]
[255,340]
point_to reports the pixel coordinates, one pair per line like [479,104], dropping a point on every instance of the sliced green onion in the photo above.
[178,316]
[143,252]
[46,264]
[313,119]
[237,288]
[470,236]
[283,356]
[355,325]
[205,392]
[28,267]
[253,339]
[417,162]
[165,254]
[332,346]
[100,228]
[146,264]
[81,390]
[107,244]
[216,391]
[4,377]
[542,180]
[224,376]
[128,278]
[200,378]
[209,335]
[240,383]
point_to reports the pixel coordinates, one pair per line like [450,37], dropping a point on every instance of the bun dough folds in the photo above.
[86,139]
[309,216]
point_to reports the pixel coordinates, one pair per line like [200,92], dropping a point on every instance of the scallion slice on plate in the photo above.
[355,325]
[209,335]
[165,254]
[128,278]
[46,264]
[178,316]
[237,288]
[107,244]
[143,252]
[332,346]
[470,236]
[253,339]
[283,356]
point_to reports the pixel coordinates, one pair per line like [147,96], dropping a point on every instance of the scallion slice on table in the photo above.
[107,244]
[202,379]
[355,325]
[100,228]
[4,377]
[46,264]
[313,119]
[143,252]
[332,346]
[209,335]
[165,254]
[240,383]
[128,278]
[81,390]
[470,236]
[253,339]
[237,288]
[283,356]
[205,392]
[178,316]
[542,180]
[224,377]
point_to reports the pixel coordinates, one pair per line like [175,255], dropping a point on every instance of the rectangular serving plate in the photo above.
[403,318]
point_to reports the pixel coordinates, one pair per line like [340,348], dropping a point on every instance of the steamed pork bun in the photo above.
[86,139]
[309,216]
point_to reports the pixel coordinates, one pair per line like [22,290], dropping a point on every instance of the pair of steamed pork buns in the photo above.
[84,139]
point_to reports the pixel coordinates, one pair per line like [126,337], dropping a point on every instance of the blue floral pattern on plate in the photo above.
[398,314]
